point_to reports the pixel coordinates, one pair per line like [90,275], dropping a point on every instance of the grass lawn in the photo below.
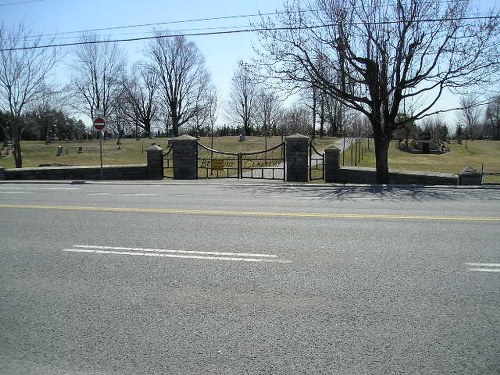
[37,152]
[233,144]
[475,154]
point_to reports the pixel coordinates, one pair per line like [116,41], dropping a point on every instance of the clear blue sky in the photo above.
[221,52]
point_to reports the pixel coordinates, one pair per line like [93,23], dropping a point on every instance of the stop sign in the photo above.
[99,123]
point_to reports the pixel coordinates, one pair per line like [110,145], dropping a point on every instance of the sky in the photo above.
[222,52]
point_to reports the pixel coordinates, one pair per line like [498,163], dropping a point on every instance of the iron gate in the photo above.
[168,163]
[316,164]
[267,164]
[217,164]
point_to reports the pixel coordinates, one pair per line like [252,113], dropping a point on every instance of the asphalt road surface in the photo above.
[229,277]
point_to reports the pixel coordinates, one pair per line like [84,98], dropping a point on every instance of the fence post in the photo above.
[240,165]
[297,158]
[185,157]
[155,162]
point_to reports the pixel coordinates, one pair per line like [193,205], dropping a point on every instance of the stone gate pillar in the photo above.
[155,162]
[297,158]
[185,157]
[332,163]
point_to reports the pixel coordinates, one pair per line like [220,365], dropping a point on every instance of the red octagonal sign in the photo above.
[99,123]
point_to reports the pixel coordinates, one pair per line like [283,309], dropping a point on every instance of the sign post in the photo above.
[100,125]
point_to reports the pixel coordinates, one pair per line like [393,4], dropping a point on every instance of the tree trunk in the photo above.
[147,127]
[322,117]
[175,126]
[382,159]
[247,130]
[16,140]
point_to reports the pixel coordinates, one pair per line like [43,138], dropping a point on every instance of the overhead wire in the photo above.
[207,31]
[206,19]
[152,24]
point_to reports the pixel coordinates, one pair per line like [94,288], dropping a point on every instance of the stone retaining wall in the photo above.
[153,170]
[360,175]
[115,172]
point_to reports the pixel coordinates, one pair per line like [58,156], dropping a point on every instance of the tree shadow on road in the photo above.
[374,192]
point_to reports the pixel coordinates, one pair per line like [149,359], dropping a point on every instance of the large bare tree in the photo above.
[24,69]
[183,79]
[388,55]
[138,98]
[98,68]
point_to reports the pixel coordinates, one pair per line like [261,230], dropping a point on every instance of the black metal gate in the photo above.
[168,163]
[217,164]
[316,164]
[267,164]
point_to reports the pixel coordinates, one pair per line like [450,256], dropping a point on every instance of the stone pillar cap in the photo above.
[332,147]
[297,136]
[184,137]
[154,147]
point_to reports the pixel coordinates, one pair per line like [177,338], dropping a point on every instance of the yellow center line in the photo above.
[322,215]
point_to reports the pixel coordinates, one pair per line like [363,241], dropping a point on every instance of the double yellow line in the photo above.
[318,215]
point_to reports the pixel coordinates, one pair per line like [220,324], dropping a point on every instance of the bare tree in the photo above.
[24,69]
[212,110]
[492,121]
[269,110]
[182,76]
[98,68]
[295,120]
[326,110]
[470,116]
[336,115]
[138,97]
[436,127]
[205,117]
[242,106]
[386,53]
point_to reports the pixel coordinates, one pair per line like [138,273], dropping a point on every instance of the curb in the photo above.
[244,182]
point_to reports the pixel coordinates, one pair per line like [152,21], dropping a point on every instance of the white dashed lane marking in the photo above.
[483,267]
[183,254]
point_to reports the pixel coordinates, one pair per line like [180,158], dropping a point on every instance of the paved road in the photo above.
[234,278]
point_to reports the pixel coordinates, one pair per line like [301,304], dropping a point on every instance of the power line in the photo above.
[124,40]
[233,31]
[163,23]
[153,24]
[177,31]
